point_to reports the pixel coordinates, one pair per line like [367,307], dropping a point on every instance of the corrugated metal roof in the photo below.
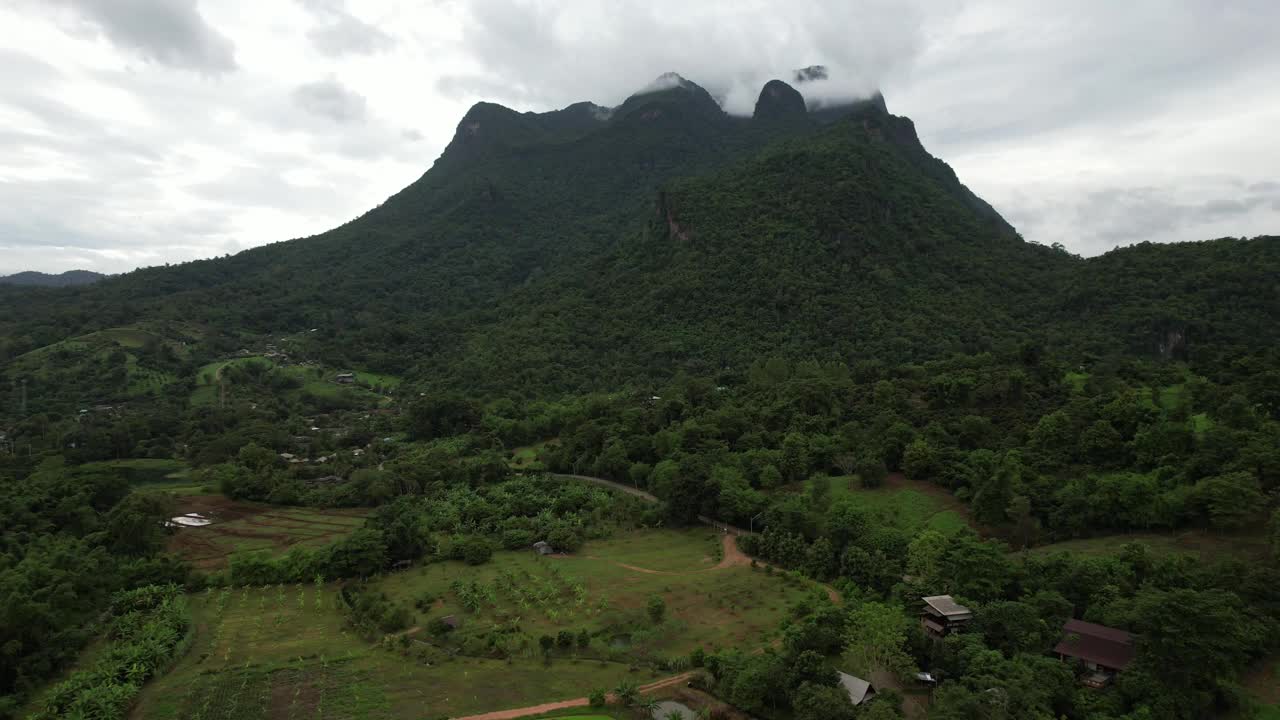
[1095,643]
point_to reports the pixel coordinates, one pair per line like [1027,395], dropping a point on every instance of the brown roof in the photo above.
[947,607]
[1095,643]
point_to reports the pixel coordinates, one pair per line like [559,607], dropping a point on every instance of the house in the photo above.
[452,621]
[1104,650]
[543,548]
[859,690]
[345,378]
[942,614]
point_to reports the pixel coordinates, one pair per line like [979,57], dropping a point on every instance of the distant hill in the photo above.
[594,248]
[66,279]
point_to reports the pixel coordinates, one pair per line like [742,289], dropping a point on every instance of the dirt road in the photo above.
[680,679]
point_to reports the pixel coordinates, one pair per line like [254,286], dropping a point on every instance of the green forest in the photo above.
[801,325]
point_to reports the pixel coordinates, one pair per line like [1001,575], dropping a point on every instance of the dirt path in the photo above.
[637,492]
[682,678]
[732,554]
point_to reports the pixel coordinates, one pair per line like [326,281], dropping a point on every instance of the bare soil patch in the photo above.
[237,525]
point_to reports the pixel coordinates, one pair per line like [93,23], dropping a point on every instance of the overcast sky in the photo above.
[138,132]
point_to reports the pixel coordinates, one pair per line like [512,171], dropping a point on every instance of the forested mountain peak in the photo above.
[64,279]
[779,100]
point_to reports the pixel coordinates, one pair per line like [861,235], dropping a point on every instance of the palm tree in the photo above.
[627,693]
[649,705]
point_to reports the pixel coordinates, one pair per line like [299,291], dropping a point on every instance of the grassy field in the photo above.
[386,382]
[906,504]
[312,380]
[241,526]
[1077,380]
[142,471]
[1199,543]
[285,652]
[526,457]
[603,589]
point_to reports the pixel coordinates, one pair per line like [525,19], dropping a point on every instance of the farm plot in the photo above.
[238,526]
[285,653]
[595,602]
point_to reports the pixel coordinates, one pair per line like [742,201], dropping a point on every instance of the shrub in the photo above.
[597,697]
[657,609]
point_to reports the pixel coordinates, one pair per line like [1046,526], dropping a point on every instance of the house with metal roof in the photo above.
[942,614]
[1103,650]
[859,690]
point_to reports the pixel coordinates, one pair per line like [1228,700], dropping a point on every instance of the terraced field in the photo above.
[237,526]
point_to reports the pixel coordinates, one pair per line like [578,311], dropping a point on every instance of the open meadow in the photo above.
[908,505]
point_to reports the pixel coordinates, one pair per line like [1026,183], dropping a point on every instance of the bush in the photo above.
[656,608]
[473,550]
[564,639]
[597,698]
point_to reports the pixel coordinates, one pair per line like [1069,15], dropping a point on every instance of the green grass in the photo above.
[903,507]
[1198,543]
[526,457]
[245,526]
[1201,423]
[708,608]
[388,382]
[287,653]
[1077,380]
[142,470]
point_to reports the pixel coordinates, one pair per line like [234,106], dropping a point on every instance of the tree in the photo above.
[795,456]
[1275,535]
[656,609]
[1230,500]
[136,525]
[871,472]
[820,702]
[1014,627]
[770,477]
[809,666]
[924,555]
[584,639]
[993,494]
[627,693]
[920,460]
[546,642]
[1187,641]
[877,634]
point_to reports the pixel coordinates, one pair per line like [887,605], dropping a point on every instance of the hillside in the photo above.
[65,279]
[593,248]
[471,438]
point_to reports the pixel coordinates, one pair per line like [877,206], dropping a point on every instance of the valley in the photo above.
[767,414]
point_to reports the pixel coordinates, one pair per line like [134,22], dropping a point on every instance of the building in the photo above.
[345,378]
[1103,650]
[859,690]
[942,614]
[543,548]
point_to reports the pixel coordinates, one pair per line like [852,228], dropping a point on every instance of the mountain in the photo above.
[70,277]
[594,248]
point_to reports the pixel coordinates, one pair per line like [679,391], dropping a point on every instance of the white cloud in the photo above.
[146,131]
